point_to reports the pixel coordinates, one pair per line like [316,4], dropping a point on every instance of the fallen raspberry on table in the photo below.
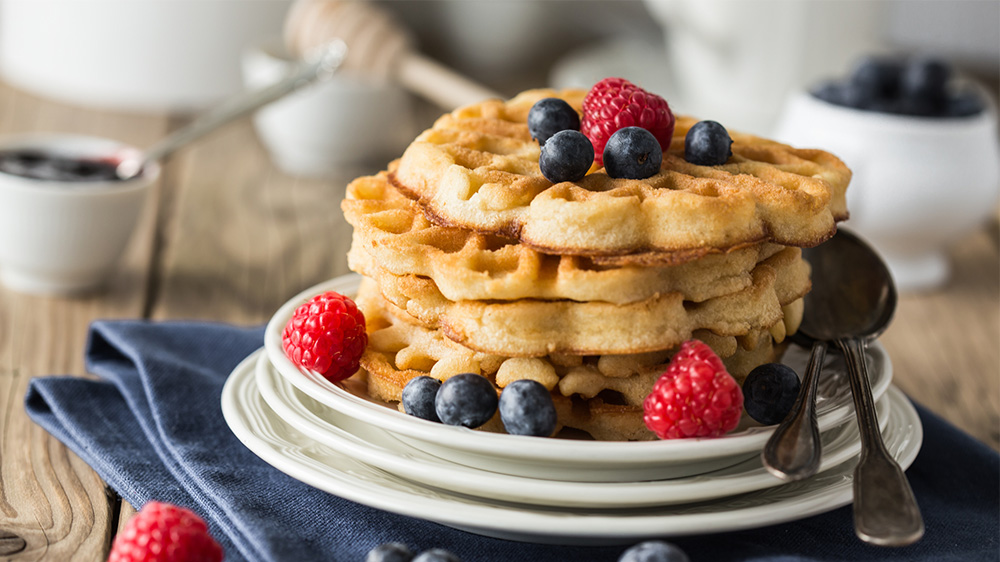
[694,397]
[326,335]
[162,532]
[616,103]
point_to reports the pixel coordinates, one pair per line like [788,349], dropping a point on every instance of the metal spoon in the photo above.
[852,301]
[794,450]
[319,65]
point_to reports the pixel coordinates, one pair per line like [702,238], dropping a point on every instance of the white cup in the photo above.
[919,183]
[63,237]
[330,128]
[138,55]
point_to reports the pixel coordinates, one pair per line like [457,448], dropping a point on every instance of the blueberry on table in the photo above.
[632,153]
[654,551]
[769,392]
[707,144]
[418,397]
[549,116]
[567,156]
[526,408]
[467,399]
[436,555]
[390,552]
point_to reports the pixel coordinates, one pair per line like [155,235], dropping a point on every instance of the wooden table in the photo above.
[228,237]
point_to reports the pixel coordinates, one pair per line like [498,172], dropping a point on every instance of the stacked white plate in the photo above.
[336,438]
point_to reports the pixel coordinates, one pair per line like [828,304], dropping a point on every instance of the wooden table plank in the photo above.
[244,237]
[945,344]
[50,497]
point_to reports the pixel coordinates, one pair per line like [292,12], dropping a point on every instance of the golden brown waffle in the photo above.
[390,230]
[600,395]
[535,327]
[477,168]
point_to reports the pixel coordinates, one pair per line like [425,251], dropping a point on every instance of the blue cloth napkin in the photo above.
[152,427]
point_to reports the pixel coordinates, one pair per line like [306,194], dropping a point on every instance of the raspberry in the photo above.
[162,532]
[326,335]
[616,103]
[694,397]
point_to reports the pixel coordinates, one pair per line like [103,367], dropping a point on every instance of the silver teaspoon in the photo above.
[794,450]
[852,301]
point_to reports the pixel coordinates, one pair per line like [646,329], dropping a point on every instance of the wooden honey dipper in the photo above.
[378,46]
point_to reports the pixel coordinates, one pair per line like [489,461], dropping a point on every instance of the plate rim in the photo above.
[455,477]
[516,522]
[580,453]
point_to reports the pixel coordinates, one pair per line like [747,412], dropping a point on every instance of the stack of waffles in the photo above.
[474,262]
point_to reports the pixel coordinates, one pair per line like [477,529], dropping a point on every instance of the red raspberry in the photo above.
[326,335]
[162,532]
[694,397]
[616,103]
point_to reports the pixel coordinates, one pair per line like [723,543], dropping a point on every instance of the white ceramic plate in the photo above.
[378,448]
[330,470]
[584,461]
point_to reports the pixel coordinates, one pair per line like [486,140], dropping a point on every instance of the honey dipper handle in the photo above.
[380,47]
[439,83]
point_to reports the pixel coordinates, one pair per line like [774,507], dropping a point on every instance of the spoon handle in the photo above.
[885,511]
[320,65]
[794,450]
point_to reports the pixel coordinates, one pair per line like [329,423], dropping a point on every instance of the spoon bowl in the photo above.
[852,295]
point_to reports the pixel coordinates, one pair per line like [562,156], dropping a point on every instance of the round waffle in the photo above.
[600,395]
[391,230]
[530,327]
[477,168]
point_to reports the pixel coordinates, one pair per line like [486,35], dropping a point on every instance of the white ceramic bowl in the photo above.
[66,237]
[328,128]
[919,182]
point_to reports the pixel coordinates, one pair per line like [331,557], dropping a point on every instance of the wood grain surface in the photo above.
[229,238]
[54,504]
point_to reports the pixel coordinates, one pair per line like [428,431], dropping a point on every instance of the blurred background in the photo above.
[705,56]
[739,62]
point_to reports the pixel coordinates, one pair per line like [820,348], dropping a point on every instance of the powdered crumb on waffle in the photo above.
[477,168]
[536,327]
[391,230]
[600,395]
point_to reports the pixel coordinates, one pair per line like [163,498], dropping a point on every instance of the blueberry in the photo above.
[964,104]
[654,551]
[632,153]
[830,92]
[769,392]
[526,408]
[436,555]
[549,116]
[566,156]
[707,144]
[390,552]
[467,399]
[877,78]
[418,397]
[856,97]
[923,86]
